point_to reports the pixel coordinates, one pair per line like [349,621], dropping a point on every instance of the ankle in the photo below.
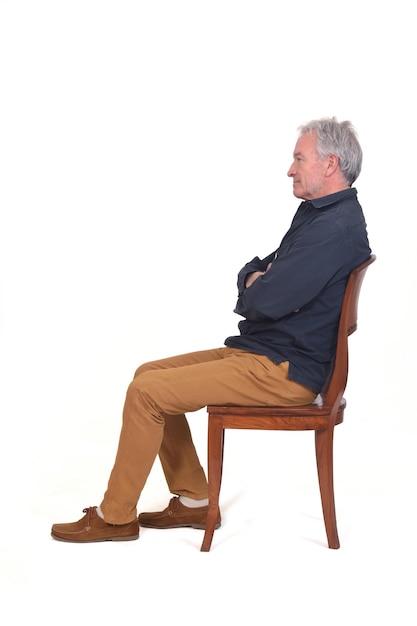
[100,513]
[192,503]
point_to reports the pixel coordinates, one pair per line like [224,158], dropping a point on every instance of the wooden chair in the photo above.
[320,418]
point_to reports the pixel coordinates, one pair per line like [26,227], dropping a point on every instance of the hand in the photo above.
[252,277]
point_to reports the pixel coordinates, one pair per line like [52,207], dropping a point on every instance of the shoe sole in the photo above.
[196,526]
[132,538]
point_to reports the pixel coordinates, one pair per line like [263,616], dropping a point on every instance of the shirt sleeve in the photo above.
[296,276]
[256,265]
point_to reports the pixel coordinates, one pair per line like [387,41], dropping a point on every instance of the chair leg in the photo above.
[324,457]
[214,471]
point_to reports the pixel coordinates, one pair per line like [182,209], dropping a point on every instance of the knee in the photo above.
[145,367]
[141,396]
[143,381]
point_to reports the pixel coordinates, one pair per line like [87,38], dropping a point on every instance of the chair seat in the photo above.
[306,417]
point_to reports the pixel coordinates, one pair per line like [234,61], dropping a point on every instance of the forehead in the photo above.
[306,145]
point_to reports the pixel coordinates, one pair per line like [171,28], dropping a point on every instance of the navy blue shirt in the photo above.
[291,313]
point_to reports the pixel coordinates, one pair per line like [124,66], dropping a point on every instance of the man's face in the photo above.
[307,171]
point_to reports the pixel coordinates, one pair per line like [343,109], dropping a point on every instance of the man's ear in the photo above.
[332,164]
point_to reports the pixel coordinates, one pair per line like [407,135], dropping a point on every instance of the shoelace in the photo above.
[173,505]
[91,512]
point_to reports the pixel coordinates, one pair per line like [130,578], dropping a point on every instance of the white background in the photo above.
[144,148]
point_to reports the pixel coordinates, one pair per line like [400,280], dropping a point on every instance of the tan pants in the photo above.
[154,421]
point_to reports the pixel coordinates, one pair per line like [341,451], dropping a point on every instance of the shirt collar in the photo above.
[320,203]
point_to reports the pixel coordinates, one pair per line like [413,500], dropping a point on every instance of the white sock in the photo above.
[193,504]
[99,513]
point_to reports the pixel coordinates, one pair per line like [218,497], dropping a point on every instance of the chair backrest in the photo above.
[347,325]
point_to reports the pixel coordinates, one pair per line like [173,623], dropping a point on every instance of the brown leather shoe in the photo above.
[92,528]
[176,515]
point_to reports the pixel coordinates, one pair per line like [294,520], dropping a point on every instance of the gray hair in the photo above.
[337,138]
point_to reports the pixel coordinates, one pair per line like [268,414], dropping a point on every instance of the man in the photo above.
[290,303]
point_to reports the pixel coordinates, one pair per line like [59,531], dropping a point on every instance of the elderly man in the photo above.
[290,303]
